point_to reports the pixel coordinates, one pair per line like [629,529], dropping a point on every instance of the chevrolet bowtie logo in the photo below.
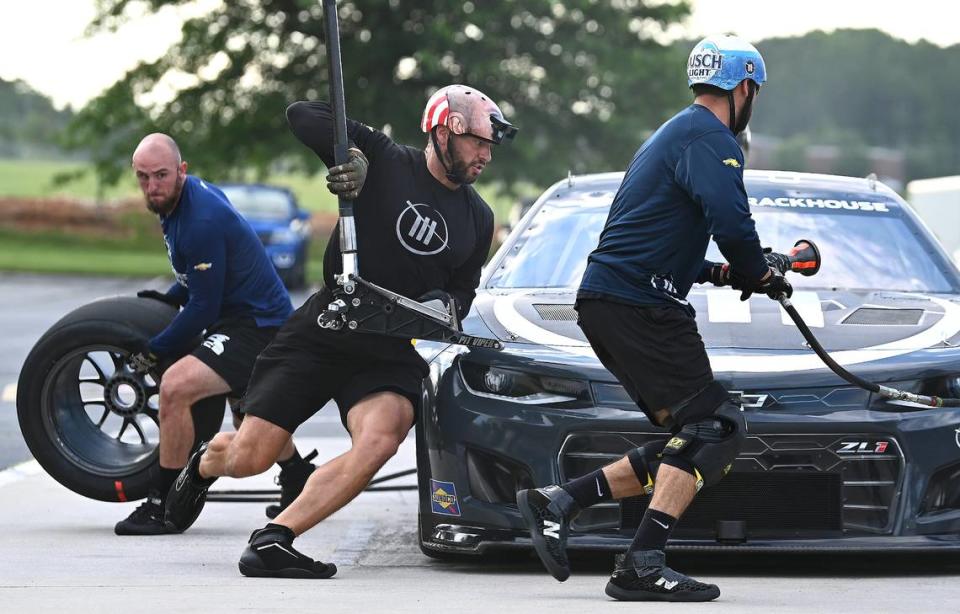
[203,266]
[732,162]
[750,400]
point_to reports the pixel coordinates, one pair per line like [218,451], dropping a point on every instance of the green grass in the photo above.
[64,253]
[38,179]
[55,252]
[140,252]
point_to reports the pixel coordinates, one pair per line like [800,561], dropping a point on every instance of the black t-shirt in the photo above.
[413,233]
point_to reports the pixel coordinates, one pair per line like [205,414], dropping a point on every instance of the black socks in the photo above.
[589,489]
[166,480]
[294,460]
[653,532]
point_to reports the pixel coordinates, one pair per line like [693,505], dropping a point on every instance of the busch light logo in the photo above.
[705,61]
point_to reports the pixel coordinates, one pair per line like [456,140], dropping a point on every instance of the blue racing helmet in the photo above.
[724,61]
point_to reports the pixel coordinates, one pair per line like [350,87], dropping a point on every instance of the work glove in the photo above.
[442,301]
[160,296]
[143,361]
[346,180]
[719,274]
[773,285]
[776,260]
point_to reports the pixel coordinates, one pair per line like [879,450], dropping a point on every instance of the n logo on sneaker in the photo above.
[667,584]
[551,529]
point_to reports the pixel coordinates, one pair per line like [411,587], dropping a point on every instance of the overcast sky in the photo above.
[42,41]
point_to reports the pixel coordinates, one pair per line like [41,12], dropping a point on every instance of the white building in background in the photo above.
[937,201]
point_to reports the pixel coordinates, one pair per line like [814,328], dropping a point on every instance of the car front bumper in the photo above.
[846,480]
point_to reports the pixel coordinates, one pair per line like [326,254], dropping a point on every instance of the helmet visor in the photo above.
[500,129]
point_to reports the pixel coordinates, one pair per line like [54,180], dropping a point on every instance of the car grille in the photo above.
[556,312]
[872,316]
[781,486]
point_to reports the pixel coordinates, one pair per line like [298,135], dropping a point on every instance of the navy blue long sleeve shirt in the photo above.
[221,268]
[684,185]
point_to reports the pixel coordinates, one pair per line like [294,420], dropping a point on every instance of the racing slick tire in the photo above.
[90,421]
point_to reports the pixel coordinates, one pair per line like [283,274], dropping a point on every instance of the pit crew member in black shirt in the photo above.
[423,232]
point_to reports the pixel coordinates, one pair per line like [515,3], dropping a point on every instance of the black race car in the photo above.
[826,466]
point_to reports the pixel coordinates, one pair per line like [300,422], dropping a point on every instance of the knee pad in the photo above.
[708,445]
[207,417]
[645,461]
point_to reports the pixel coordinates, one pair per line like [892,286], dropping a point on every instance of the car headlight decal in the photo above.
[522,387]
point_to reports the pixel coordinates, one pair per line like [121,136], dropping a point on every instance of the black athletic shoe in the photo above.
[291,481]
[187,495]
[147,519]
[644,576]
[270,554]
[548,513]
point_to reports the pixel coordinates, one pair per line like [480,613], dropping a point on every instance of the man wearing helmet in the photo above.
[684,185]
[422,231]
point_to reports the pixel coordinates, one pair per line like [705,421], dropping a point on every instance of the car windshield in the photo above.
[861,250]
[259,204]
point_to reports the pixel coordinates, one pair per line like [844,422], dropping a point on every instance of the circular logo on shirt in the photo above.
[421,229]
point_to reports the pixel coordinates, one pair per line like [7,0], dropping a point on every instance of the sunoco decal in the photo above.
[819,203]
[443,498]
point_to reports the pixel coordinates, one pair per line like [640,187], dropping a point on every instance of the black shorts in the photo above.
[230,347]
[655,352]
[306,366]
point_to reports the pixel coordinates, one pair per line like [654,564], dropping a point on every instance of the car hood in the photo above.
[752,336]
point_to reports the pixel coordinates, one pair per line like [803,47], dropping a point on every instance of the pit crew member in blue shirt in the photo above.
[683,186]
[230,294]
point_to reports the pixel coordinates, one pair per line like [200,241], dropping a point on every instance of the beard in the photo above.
[165,206]
[744,118]
[458,167]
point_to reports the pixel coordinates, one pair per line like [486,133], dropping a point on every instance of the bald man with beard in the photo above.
[231,298]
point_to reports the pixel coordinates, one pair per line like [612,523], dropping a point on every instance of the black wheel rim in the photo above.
[102,416]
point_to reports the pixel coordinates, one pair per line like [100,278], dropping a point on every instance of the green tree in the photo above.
[858,88]
[584,80]
[29,123]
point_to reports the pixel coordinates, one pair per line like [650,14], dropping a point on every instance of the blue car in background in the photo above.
[283,227]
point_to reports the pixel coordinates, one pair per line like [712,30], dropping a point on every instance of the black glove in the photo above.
[347,179]
[719,274]
[773,285]
[143,361]
[776,260]
[442,301]
[160,296]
